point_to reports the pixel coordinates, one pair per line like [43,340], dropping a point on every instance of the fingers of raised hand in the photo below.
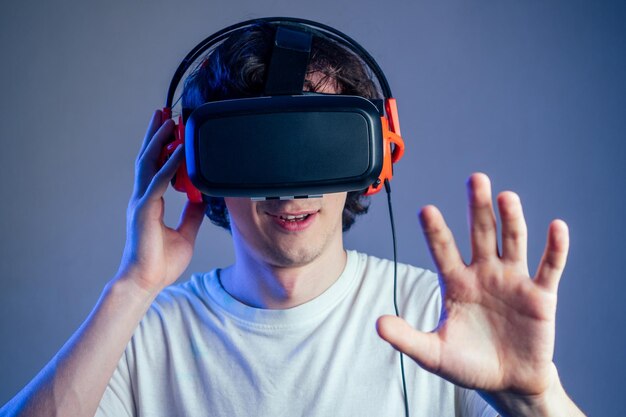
[514,232]
[554,256]
[147,164]
[482,219]
[161,179]
[440,240]
[153,126]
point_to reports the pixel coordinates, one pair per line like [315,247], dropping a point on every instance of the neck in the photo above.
[262,284]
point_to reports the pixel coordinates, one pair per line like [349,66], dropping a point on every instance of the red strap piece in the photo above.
[393,145]
[181,180]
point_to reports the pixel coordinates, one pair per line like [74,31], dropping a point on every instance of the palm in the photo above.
[162,252]
[497,328]
[501,324]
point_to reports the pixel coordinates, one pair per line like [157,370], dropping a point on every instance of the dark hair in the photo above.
[236,69]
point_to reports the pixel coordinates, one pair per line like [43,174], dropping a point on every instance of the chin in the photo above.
[291,257]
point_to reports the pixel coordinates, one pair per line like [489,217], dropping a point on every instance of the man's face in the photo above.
[287,233]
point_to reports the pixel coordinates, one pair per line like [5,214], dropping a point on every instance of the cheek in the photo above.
[240,210]
[336,203]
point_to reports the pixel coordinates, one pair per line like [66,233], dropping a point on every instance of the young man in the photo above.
[291,327]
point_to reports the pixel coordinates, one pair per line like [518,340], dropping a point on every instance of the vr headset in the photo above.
[286,143]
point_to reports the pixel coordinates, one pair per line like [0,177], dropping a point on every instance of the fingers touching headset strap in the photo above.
[181,181]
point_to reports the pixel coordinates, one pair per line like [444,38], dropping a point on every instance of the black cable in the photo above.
[395,290]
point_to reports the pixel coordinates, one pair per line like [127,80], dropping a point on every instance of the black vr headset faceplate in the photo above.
[284,146]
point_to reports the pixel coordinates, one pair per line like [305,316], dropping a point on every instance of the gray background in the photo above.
[530,92]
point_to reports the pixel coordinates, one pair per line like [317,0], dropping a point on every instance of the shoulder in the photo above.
[417,289]
[179,301]
[411,279]
[173,321]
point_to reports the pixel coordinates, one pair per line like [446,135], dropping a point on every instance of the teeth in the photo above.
[292,218]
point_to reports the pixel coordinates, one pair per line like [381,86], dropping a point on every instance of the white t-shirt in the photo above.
[200,352]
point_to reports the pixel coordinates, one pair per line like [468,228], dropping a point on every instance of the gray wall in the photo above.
[530,92]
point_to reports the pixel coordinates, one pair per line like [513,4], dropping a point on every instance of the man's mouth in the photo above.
[294,218]
[293,222]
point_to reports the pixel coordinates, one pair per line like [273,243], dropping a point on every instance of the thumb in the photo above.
[423,348]
[190,220]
